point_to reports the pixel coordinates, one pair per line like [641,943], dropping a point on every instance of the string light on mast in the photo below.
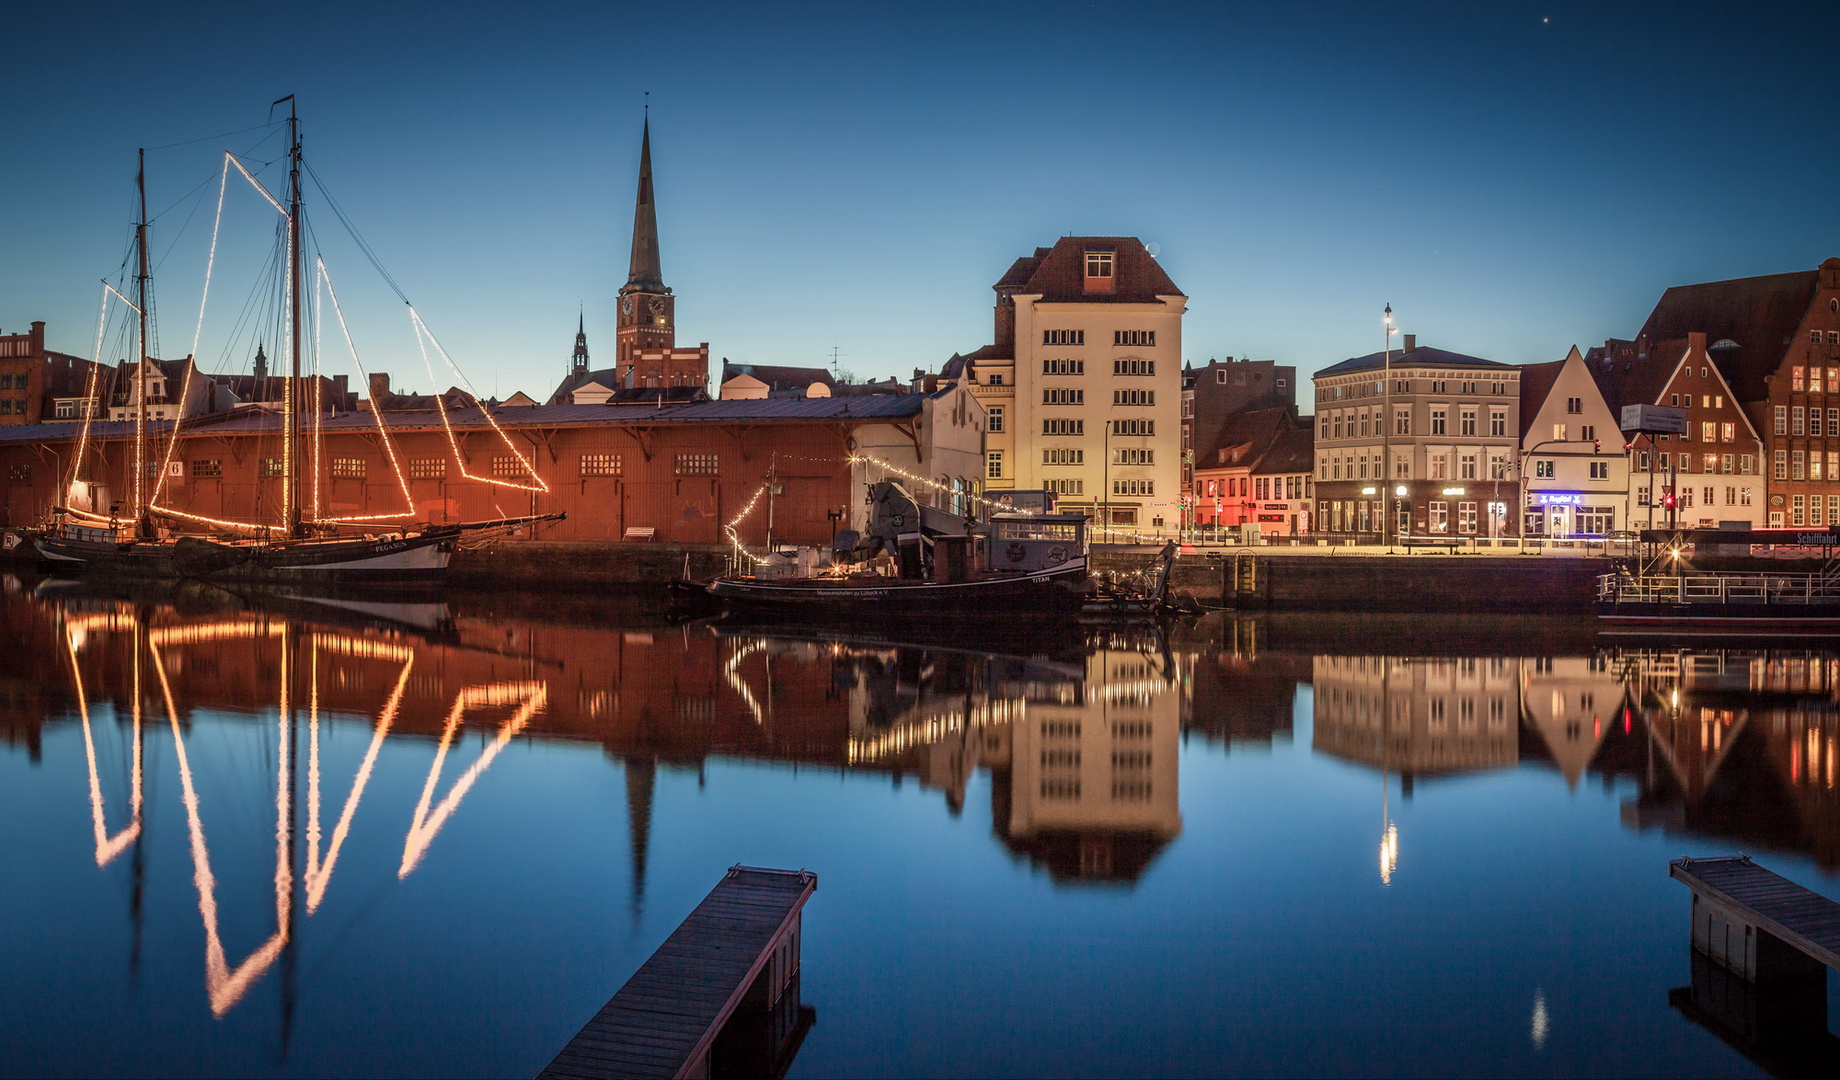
[422,332]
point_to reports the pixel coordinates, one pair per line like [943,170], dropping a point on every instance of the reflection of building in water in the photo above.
[1737,744]
[1570,701]
[1238,697]
[1418,716]
[1090,791]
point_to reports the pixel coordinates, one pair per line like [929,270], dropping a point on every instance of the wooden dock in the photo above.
[1761,945]
[720,996]
[1744,917]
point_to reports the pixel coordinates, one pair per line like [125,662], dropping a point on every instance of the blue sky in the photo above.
[1513,178]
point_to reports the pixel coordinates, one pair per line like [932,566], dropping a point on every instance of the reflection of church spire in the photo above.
[639,775]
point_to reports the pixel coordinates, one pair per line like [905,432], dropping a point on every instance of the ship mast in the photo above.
[291,400]
[143,525]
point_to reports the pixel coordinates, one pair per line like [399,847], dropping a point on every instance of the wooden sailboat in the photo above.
[297,550]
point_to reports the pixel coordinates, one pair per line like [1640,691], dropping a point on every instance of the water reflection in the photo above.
[1075,740]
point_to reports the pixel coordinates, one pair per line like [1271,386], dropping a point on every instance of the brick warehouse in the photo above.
[680,470]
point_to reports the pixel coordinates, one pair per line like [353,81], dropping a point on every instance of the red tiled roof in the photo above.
[1294,451]
[1537,381]
[1759,314]
[1250,433]
[1058,274]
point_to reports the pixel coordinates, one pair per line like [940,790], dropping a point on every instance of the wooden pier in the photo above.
[719,997]
[1744,917]
[1761,945]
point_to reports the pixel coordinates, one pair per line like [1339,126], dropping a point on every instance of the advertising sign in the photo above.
[1654,420]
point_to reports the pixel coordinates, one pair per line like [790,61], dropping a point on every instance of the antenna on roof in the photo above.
[835,353]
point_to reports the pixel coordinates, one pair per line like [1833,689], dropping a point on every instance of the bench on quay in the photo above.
[1449,543]
[719,997]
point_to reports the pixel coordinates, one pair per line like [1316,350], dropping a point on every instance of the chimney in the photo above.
[1004,336]
[1696,342]
[380,388]
[38,337]
[1411,342]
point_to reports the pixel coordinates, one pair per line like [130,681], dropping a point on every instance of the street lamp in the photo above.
[1386,428]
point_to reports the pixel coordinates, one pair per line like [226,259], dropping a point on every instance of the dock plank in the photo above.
[667,1015]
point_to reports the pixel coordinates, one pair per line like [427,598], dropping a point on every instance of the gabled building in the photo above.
[39,384]
[1713,472]
[1775,342]
[1082,385]
[1575,470]
[1256,469]
[1440,444]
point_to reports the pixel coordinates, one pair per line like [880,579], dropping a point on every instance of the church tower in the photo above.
[646,316]
[578,363]
[645,348]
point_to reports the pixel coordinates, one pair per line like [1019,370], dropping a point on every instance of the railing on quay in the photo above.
[1735,588]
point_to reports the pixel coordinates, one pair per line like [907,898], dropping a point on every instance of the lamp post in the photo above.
[1386,430]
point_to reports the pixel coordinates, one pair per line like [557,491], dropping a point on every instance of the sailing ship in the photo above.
[156,541]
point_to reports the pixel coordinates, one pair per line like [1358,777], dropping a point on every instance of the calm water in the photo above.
[322,840]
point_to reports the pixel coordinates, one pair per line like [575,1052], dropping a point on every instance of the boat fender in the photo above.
[1057,555]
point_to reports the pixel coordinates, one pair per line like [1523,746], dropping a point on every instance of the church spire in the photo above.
[646,275]
[578,363]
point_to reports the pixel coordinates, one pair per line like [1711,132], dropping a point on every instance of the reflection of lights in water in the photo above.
[530,697]
[107,847]
[731,673]
[1540,1022]
[1389,854]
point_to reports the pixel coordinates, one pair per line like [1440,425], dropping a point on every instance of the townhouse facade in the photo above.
[1260,471]
[1438,441]
[1082,386]
[1575,468]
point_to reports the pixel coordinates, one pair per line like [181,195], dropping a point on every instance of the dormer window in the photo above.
[1099,271]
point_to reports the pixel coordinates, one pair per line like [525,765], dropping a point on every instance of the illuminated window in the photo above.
[591,464]
[348,468]
[271,466]
[208,467]
[696,464]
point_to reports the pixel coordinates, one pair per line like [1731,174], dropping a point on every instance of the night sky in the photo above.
[1512,178]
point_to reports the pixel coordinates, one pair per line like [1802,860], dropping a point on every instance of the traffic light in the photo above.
[1667,501]
[1597,446]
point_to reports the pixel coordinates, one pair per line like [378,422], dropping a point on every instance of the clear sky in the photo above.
[1513,178]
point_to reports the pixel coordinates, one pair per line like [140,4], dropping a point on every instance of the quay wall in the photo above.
[1354,583]
[1444,583]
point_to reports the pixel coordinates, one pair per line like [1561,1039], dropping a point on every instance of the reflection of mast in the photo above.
[1389,837]
[640,773]
[291,718]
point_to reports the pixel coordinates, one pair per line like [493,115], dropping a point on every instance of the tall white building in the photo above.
[1083,383]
